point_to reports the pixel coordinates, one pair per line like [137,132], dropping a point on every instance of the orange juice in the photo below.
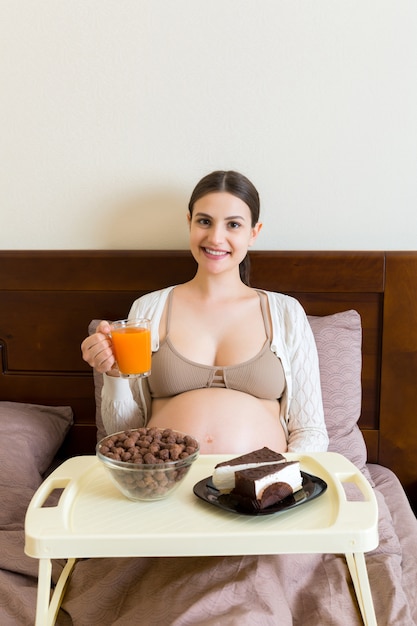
[132,347]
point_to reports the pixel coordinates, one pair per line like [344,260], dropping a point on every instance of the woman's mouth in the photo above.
[215,253]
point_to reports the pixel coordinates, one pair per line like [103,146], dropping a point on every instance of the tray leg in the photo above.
[59,591]
[46,607]
[359,573]
[44,591]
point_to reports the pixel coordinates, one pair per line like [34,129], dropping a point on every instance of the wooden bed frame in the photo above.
[47,299]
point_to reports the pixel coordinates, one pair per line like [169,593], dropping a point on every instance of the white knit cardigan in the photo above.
[126,403]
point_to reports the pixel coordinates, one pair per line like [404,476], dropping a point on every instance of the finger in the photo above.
[97,352]
[91,344]
[103,360]
[104,327]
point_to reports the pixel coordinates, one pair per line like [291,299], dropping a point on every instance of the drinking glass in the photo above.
[131,340]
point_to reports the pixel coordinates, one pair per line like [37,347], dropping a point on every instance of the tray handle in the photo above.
[67,478]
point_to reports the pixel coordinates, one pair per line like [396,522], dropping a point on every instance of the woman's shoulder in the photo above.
[151,306]
[148,303]
[282,302]
[289,320]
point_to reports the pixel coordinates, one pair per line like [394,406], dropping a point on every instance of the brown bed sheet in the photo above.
[301,590]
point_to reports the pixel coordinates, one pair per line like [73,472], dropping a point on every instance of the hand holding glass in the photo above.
[131,340]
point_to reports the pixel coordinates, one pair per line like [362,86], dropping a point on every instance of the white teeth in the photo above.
[214,252]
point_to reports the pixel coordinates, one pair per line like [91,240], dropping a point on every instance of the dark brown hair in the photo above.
[237,185]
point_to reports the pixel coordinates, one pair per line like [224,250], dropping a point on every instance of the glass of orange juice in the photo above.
[131,340]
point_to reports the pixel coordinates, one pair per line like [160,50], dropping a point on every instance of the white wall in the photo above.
[111,110]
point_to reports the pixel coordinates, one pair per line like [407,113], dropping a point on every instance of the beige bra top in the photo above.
[261,376]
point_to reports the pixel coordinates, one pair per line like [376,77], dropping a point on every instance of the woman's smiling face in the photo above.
[221,231]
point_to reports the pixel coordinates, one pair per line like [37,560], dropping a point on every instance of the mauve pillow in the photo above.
[339,346]
[31,435]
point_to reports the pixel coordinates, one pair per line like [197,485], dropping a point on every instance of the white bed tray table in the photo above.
[93,519]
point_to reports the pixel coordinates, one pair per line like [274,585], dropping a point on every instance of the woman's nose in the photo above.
[216,234]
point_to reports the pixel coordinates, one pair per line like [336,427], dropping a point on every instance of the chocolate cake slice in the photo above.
[224,473]
[266,485]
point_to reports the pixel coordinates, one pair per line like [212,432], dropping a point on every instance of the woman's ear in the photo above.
[189,220]
[255,232]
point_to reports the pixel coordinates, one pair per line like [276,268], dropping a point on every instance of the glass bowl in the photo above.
[147,463]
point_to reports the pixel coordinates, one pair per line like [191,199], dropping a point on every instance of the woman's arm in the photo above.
[306,426]
[301,406]
[125,403]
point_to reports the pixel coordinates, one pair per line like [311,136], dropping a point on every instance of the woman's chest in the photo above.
[217,336]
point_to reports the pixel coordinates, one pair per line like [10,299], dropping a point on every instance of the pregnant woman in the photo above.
[234,366]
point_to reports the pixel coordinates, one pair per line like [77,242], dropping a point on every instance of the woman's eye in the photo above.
[203,221]
[234,225]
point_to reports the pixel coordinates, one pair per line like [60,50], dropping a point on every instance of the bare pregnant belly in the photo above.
[224,421]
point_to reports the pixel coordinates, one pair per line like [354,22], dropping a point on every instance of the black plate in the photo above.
[311,489]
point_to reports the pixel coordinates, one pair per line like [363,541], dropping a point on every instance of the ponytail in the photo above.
[244,270]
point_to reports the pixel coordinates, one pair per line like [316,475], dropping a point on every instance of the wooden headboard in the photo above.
[47,299]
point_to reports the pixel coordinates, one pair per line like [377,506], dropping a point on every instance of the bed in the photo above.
[362,307]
